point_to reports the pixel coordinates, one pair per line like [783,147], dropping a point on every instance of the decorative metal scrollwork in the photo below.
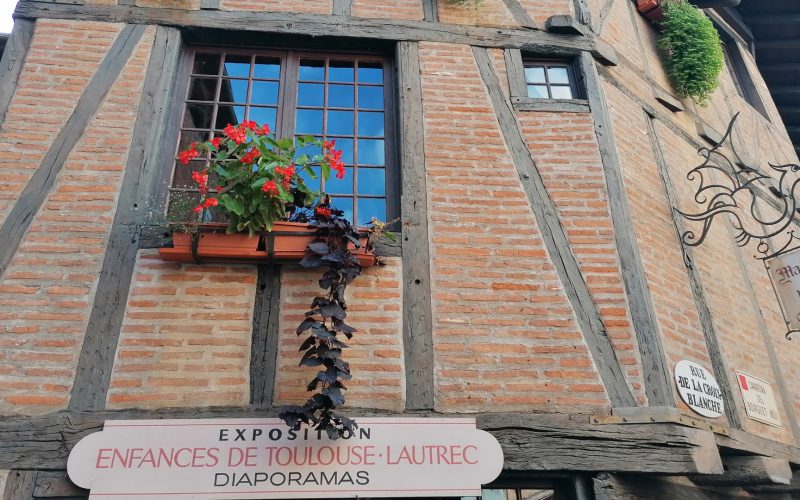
[728,186]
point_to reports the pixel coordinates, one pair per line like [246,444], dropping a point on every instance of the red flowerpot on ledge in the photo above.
[651,9]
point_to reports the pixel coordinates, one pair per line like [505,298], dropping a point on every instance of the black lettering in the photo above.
[362,477]
[294,477]
[364,433]
[311,479]
[256,433]
[223,434]
[292,434]
[221,476]
[275,434]
[240,435]
[260,477]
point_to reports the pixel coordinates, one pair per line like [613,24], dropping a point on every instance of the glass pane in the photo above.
[310,150]
[229,114]
[311,94]
[236,65]
[498,495]
[369,208]
[372,181]
[264,116]
[312,70]
[558,75]
[340,96]
[537,91]
[206,64]
[538,495]
[264,93]
[233,91]
[183,174]
[197,116]
[188,137]
[311,183]
[340,123]
[370,72]
[341,71]
[370,97]
[203,89]
[346,146]
[345,204]
[370,152]
[309,121]
[181,204]
[370,124]
[267,67]
[560,92]
[340,186]
[534,74]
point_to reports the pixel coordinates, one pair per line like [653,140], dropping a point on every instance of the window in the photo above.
[737,68]
[341,97]
[550,80]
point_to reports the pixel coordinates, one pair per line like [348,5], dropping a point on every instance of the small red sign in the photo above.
[743,382]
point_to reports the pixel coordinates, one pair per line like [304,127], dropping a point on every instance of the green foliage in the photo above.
[465,3]
[692,50]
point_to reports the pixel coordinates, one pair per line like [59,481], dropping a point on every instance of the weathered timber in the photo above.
[554,105]
[342,7]
[582,12]
[264,345]
[417,308]
[564,24]
[600,20]
[705,131]
[739,442]
[655,372]
[324,25]
[530,442]
[748,471]
[718,365]
[209,4]
[56,484]
[631,487]
[20,485]
[12,61]
[516,73]
[792,490]
[669,102]
[96,361]
[430,11]
[520,15]
[555,239]
[38,187]
[657,448]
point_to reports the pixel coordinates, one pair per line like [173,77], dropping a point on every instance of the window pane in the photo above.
[370,124]
[309,121]
[229,114]
[233,91]
[183,174]
[264,116]
[236,65]
[264,93]
[370,72]
[369,208]
[370,152]
[341,71]
[498,495]
[310,150]
[311,183]
[537,91]
[345,204]
[538,495]
[346,145]
[558,75]
[312,70]
[311,94]
[340,123]
[203,89]
[206,64]
[188,137]
[340,186]
[561,92]
[181,204]
[267,67]
[370,97]
[372,181]
[197,116]
[534,74]
[340,96]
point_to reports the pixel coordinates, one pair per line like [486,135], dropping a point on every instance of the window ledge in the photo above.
[557,105]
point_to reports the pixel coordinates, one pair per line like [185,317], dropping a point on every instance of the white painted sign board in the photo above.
[263,458]
[784,272]
[759,401]
[699,389]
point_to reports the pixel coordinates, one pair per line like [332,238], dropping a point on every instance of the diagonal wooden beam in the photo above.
[12,61]
[555,239]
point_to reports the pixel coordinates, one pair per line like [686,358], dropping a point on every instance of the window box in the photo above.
[287,242]
[651,9]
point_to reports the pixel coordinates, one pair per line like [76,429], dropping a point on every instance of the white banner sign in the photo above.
[263,458]
[759,402]
[784,271]
[699,389]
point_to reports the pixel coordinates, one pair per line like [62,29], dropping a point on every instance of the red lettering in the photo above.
[467,460]
[101,457]
[188,463]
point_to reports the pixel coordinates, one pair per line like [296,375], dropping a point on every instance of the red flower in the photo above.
[249,124]
[216,141]
[263,130]
[323,211]
[236,134]
[198,208]
[210,202]
[270,187]
[188,154]
[251,156]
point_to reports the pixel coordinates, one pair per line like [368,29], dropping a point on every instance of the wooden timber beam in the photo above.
[748,471]
[325,25]
[530,442]
[11,63]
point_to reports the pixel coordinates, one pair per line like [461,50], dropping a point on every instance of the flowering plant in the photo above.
[255,177]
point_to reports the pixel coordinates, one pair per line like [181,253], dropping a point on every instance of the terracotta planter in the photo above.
[181,251]
[288,240]
[651,9]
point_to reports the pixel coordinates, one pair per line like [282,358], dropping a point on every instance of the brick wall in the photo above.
[540,10]
[46,293]
[309,6]
[391,9]
[486,13]
[376,355]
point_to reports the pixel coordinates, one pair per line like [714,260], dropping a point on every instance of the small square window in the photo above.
[550,79]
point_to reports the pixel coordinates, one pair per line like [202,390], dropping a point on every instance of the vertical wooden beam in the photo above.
[96,361]
[520,15]
[20,485]
[582,12]
[555,239]
[655,371]
[12,61]
[516,73]
[342,7]
[38,187]
[430,10]
[417,308]
[266,335]
[718,364]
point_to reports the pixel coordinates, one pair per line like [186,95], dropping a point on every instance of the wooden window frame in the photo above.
[572,76]
[737,68]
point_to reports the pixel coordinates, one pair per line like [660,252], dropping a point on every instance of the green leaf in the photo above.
[259,183]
